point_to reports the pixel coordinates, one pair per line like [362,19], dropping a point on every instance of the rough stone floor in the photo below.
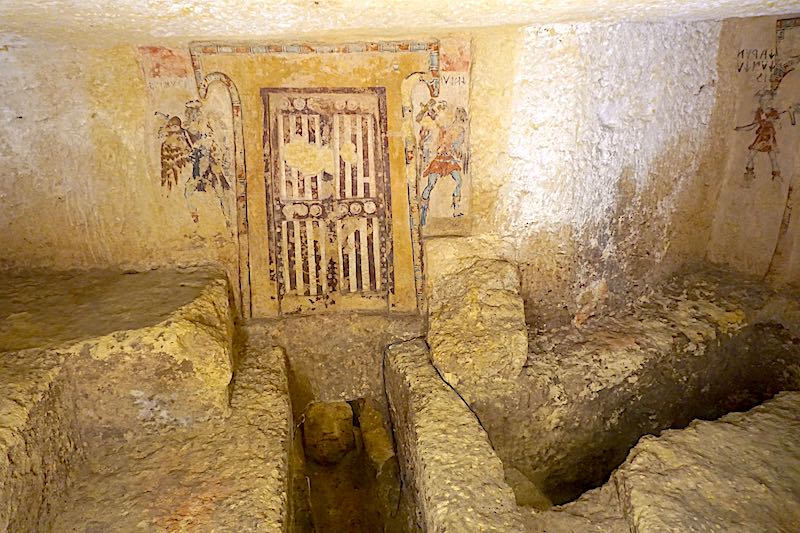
[127,407]
[43,308]
[117,415]
[336,356]
[219,475]
[740,473]
[568,412]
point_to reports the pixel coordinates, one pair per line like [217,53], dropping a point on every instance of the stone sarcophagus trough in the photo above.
[554,417]
[712,475]
[99,368]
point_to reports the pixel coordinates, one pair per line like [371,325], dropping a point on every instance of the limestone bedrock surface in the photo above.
[328,431]
[337,356]
[702,345]
[224,474]
[476,319]
[40,444]
[44,308]
[455,475]
[145,350]
[100,357]
[446,457]
[564,411]
[95,21]
[739,473]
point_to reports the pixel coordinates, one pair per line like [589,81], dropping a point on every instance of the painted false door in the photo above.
[328,193]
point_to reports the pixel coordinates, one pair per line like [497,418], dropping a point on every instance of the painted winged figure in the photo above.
[193,141]
[176,151]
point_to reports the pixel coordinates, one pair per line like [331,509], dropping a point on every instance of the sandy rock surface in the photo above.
[704,344]
[328,431]
[740,473]
[226,474]
[337,356]
[457,479]
[41,308]
[476,327]
[103,371]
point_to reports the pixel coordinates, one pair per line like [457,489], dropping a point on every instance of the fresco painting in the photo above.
[765,142]
[192,145]
[773,145]
[776,105]
[442,143]
[192,150]
[329,201]
[193,136]
[437,157]
[198,147]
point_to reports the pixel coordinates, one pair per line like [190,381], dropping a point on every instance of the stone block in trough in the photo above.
[476,319]
[328,431]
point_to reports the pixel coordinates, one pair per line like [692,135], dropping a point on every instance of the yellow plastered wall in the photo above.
[252,72]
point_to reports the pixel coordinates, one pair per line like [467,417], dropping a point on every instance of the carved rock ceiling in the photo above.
[122,21]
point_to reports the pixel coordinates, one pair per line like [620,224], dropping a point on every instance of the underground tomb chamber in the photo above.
[594,438]
[460,277]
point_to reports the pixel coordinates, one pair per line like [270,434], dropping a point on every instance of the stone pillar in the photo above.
[476,318]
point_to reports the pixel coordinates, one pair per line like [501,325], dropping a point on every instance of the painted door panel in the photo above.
[328,198]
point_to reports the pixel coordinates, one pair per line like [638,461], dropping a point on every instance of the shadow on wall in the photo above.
[650,233]
[682,213]
[608,188]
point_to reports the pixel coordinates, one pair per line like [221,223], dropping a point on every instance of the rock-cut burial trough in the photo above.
[118,412]
[130,402]
[738,473]
[563,415]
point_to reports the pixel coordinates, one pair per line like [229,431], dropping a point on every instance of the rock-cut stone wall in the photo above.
[40,441]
